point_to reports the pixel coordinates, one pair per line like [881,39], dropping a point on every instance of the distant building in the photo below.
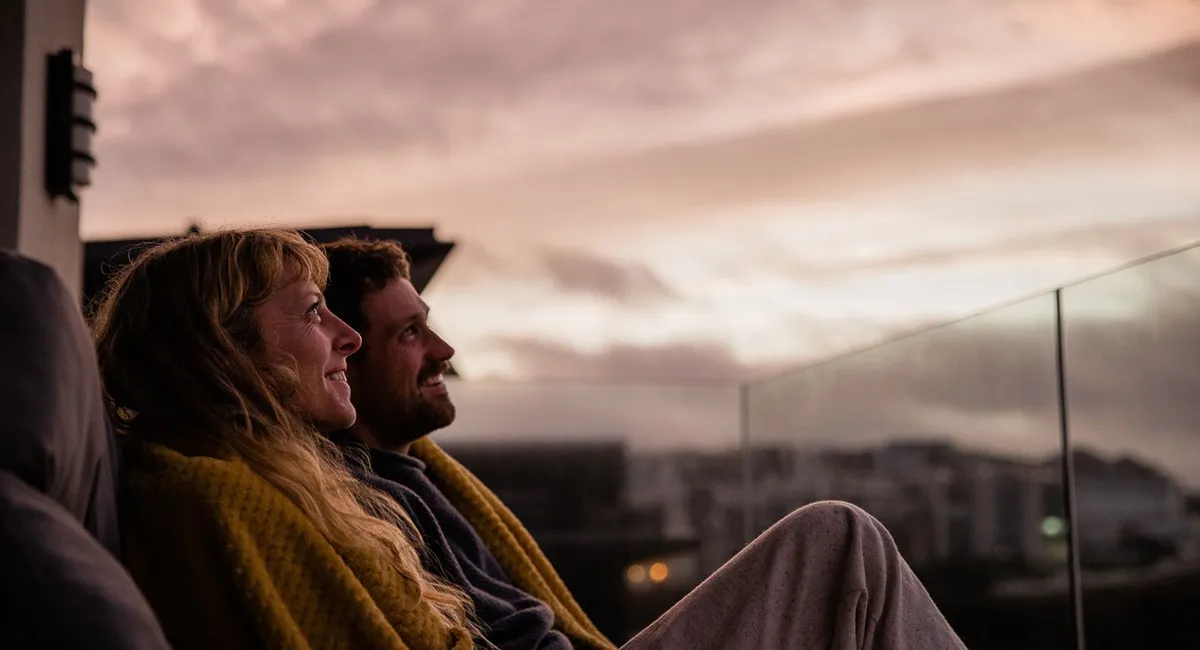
[1129,512]
[942,504]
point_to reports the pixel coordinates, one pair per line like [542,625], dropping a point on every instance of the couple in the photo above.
[275,399]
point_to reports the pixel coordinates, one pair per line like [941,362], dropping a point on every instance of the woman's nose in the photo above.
[349,341]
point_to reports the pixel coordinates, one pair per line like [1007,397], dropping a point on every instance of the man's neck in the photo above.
[365,435]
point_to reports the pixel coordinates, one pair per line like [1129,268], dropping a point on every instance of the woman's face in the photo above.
[299,329]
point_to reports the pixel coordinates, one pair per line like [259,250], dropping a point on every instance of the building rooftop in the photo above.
[102,258]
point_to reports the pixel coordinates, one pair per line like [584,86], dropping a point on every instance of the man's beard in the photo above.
[397,420]
[422,417]
[398,424]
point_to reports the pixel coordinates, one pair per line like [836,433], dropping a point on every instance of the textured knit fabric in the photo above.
[827,577]
[227,561]
[511,545]
[510,618]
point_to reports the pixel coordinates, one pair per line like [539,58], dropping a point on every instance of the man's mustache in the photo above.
[434,369]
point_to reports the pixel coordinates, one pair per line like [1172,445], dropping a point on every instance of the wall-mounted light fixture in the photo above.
[70,98]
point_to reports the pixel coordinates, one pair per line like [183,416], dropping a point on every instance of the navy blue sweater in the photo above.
[511,619]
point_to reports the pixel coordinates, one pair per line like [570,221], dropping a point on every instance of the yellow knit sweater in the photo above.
[227,561]
[508,540]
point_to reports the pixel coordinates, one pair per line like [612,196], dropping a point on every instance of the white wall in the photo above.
[30,222]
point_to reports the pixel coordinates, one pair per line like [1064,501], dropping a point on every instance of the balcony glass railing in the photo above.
[1132,362]
[953,437]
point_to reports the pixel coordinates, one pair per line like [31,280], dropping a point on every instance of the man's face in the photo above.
[396,379]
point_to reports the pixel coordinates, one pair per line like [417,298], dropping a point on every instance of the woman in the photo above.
[221,366]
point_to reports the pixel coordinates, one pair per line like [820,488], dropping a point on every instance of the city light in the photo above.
[636,574]
[658,572]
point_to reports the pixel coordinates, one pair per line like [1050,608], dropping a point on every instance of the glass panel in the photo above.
[633,491]
[951,438]
[1133,370]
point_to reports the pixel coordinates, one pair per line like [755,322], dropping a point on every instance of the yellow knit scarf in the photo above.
[227,561]
[508,540]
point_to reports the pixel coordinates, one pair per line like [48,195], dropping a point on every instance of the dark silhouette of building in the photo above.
[103,258]
[573,498]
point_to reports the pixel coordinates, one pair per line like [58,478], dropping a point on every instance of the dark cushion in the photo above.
[55,431]
[59,586]
[61,582]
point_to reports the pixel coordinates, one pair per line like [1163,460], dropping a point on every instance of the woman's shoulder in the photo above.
[153,458]
[155,471]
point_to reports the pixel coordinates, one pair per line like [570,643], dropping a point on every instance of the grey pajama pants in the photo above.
[826,577]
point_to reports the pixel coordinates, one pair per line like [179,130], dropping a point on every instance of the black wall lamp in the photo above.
[70,98]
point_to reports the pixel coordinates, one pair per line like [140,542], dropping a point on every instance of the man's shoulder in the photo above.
[393,483]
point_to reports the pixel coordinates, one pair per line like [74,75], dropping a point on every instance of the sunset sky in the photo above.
[680,189]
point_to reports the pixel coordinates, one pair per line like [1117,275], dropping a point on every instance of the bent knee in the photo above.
[828,519]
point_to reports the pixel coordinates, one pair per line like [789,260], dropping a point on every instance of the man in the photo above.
[827,576]
[398,389]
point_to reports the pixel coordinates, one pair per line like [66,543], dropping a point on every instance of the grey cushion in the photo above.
[60,579]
